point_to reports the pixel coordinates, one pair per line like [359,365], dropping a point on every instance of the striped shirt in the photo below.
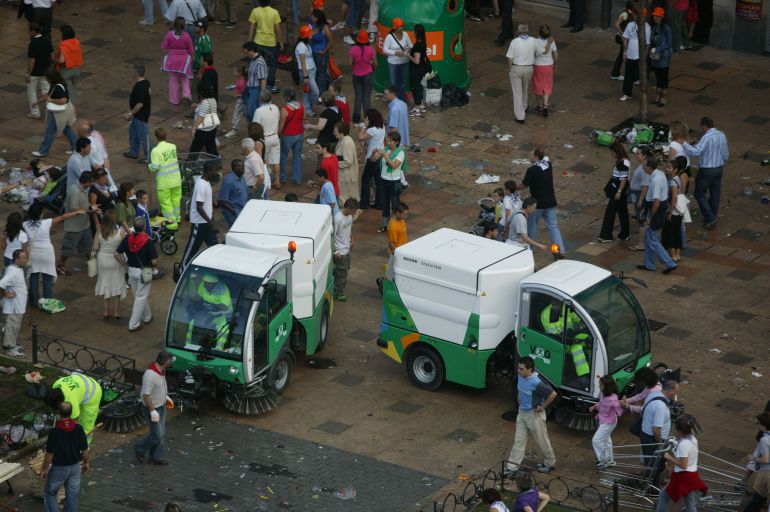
[620,172]
[257,72]
[711,149]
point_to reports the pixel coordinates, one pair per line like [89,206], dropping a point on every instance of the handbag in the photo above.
[681,205]
[92,265]
[334,70]
[210,120]
[611,188]
[636,427]
[146,271]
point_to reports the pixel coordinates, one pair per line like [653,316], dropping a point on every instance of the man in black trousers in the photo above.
[577,14]
[506,22]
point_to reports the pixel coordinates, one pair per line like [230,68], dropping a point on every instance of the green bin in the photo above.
[444,22]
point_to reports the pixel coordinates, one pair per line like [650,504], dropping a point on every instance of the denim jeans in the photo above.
[50,135]
[708,180]
[322,71]
[362,90]
[137,138]
[67,476]
[309,99]
[270,53]
[293,143]
[371,173]
[397,75]
[653,247]
[148,15]
[34,287]
[390,195]
[355,13]
[295,12]
[153,442]
[252,102]
[551,225]
[689,502]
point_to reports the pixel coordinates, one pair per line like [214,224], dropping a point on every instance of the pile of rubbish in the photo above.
[635,134]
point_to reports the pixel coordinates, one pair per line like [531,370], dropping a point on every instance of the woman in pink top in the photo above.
[607,412]
[363,62]
[178,61]
[650,381]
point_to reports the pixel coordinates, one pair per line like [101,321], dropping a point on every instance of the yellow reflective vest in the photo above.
[164,162]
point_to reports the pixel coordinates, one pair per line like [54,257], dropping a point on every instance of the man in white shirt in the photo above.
[14,287]
[268,115]
[343,241]
[521,58]
[155,400]
[657,205]
[201,215]
[631,56]
[254,173]
[42,13]
[191,10]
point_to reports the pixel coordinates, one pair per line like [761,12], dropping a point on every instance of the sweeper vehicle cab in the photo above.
[242,311]
[462,308]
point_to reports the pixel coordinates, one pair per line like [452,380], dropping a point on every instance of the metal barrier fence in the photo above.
[567,492]
[107,367]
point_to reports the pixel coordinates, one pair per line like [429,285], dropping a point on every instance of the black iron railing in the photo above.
[107,367]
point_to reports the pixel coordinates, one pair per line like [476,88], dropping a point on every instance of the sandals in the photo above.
[62,271]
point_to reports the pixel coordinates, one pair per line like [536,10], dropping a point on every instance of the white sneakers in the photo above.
[619,77]
[231,134]
[38,154]
[348,40]
[625,98]
[15,352]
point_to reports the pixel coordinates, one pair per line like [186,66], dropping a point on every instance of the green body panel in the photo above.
[462,364]
[623,378]
[186,360]
[278,331]
[312,325]
[547,353]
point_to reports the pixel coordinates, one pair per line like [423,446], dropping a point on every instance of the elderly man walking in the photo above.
[156,400]
[712,153]
[656,205]
[656,426]
[521,58]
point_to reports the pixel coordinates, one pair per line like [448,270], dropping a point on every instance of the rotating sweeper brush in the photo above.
[251,405]
[122,415]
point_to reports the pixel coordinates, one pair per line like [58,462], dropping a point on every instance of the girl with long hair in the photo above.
[616,191]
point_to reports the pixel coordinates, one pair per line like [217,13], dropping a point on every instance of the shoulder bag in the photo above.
[210,120]
[636,427]
[146,271]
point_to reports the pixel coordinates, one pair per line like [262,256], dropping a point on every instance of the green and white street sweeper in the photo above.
[241,310]
[461,308]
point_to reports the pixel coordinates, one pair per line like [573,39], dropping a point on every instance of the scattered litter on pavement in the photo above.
[520,161]
[487,178]
[715,350]
[455,144]
[504,138]
[320,363]
[33,377]
[10,370]
[432,149]
[755,373]
[568,146]
[348,493]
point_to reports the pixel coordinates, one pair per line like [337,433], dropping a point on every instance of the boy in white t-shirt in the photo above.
[14,293]
[343,241]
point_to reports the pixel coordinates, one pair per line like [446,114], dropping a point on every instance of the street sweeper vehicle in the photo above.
[243,310]
[463,308]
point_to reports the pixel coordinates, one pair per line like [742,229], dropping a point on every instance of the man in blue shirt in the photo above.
[657,205]
[712,153]
[398,115]
[326,191]
[534,398]
[234,193]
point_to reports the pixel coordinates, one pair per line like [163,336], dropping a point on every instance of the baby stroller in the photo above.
[486,219]
[166,237]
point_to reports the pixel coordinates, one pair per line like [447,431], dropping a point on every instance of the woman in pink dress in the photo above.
[178,61]
[542,74]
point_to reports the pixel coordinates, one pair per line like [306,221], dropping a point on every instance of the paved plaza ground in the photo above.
[393,443]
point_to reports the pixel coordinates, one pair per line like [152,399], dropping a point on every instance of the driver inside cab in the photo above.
[577,341]
[213,309]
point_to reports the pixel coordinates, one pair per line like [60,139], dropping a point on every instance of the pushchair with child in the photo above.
[486,223]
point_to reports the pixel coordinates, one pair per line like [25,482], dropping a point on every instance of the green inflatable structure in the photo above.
[444,22]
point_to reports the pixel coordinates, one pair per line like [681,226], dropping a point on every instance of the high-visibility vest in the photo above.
[164,162]
[216,300]
[579,359]
[555,327]
[78,390]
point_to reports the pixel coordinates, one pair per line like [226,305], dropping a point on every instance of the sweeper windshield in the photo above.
[620,320]
[209,312]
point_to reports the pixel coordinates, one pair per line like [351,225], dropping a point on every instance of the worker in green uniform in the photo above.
[83,393]
[577,344]
[216,309]
[168,179]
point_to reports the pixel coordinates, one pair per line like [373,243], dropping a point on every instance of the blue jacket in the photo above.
[661,41]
